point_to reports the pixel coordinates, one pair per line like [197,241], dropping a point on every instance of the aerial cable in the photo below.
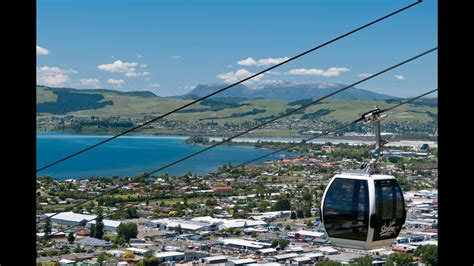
[227,87]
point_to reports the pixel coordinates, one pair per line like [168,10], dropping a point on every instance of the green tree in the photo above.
[283,204]
[178,229]
[287,227]
[309,223]
[254,234]
[293,215]
[92,231]
[151,262]
[283,243]
[363,261]
[99,224]
[300,214]
[131,213]
[102,257]
[127,231]
[71,237]
[149,254]
[307,196]
[47,227]
[274,243]
[329,263]
[428,254]
[399,258]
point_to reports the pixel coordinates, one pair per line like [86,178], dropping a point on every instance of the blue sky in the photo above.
[169,46]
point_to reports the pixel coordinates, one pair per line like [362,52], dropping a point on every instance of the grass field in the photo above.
[342,110]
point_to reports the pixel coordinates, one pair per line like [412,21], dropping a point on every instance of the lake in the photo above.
[131,155]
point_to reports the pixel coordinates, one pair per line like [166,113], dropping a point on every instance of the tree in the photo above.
[283,243]
[47,227]
[151,262]
[287,227]
[149,254]
[307,196]
[178,229]
[254,234]
[71,237]
[428,254]
[309,223]
[399,259]
[274,243]
[131,213]
[127,231]
[299,214]
[363,261]
[102,257]
[283,204]
[293,215]
[99,224]
[128,255]
[92,231]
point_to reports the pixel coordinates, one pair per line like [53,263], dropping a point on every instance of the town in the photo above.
[286,127]
[262,214]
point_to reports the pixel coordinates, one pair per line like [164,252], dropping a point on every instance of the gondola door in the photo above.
[390,212]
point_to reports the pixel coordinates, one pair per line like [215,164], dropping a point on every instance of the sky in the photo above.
[170,46]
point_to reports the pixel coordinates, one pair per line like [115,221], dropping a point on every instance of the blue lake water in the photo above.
[131,155]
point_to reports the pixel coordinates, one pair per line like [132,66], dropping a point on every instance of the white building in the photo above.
[244,244]
[169,256]
[72,219]
[186,225]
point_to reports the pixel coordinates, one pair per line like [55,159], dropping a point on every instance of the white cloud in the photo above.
[139,56]
[41,51]
[176,56]
[117,82]
[156,85]
[247,62]
[118,66]
[147,79]
[262,62]
[400,77]
[90,82]
[330,72]
[53,75]
[124,67]
[271,72]
[232,77]
[364,75]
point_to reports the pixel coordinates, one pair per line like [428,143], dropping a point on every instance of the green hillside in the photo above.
[107,103]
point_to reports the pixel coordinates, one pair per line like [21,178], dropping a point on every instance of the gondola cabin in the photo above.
[363,211]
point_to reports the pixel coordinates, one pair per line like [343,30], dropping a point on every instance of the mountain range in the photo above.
[289,91]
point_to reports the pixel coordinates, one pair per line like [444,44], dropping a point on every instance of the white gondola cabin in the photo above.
[363,211]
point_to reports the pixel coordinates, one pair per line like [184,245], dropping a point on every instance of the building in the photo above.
[186,225]
[93,242]
[304,235]
[216,260]
[74,219]
[241,262]
[222,188]
[229,223]
[244,244]
[284,257]
[169,256]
